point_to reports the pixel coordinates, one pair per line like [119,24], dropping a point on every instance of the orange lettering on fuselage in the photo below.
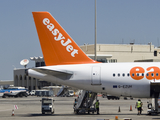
[136,73]
[153,73]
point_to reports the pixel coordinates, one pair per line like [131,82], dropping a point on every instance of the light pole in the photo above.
[95,44]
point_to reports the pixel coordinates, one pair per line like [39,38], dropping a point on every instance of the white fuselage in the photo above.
[111,78]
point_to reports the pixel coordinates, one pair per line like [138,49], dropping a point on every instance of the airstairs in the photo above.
[85,102]
[62,91]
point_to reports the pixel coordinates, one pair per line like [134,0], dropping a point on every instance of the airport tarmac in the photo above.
[30,108]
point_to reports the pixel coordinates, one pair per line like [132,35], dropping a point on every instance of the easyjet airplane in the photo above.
[67,64]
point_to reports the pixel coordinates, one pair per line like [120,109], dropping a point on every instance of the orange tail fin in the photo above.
[57,46]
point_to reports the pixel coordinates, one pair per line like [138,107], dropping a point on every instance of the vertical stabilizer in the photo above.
[57,46]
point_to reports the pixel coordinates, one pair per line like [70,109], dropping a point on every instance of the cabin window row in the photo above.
[142,74]
[121,75]
[138,74]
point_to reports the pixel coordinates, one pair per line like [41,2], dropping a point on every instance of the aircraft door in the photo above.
[96,76]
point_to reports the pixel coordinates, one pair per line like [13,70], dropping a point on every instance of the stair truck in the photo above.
[47,105]
[84,102]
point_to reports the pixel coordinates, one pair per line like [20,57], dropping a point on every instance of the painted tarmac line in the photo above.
[6,110]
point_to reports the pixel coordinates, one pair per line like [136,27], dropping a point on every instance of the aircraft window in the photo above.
[118,74]
[156,74]
[137,74]
[133,74]
[152,74]
[128,74]
[123,74]
[142,74]
[114,75]
[147,74]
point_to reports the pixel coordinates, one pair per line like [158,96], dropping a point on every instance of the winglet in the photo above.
[57,46]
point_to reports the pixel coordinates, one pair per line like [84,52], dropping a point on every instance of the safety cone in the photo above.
[130,107]
[13,112]
[116,117]
[119,109]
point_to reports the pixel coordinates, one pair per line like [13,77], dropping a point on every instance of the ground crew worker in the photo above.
[97,106]
[90,95]
[75,102]
[139,106]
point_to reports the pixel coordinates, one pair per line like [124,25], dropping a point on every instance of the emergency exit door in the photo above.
[96,76]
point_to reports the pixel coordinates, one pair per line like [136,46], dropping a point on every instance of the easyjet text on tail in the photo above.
[57,46]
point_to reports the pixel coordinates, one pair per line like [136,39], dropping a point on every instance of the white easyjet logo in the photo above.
[60,37]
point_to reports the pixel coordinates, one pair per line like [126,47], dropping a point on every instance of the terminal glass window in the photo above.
[111,60]
[43,64]
[25,77]
[38,64]
[20,77]
[102,60]
[155,53]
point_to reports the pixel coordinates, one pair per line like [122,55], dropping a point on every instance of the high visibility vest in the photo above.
[138,104]
[97,104]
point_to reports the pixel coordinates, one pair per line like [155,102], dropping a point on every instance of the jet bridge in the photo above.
[85,102]
[154,103]
[154,89]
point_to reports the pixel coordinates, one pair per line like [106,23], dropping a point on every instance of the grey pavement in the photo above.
[30,108]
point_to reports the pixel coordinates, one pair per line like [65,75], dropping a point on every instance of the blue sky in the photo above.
[118,21]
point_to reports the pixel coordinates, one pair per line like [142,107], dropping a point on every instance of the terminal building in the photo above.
[105,53]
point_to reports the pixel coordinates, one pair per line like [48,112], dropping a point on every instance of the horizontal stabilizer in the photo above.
[52,72]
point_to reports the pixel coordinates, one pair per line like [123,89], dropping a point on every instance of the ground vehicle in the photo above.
[47,93]
[70,93]
[66,93]
[85,102]
[14,92]
[33,92]
[153,106]
[110,97]
[47,105]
